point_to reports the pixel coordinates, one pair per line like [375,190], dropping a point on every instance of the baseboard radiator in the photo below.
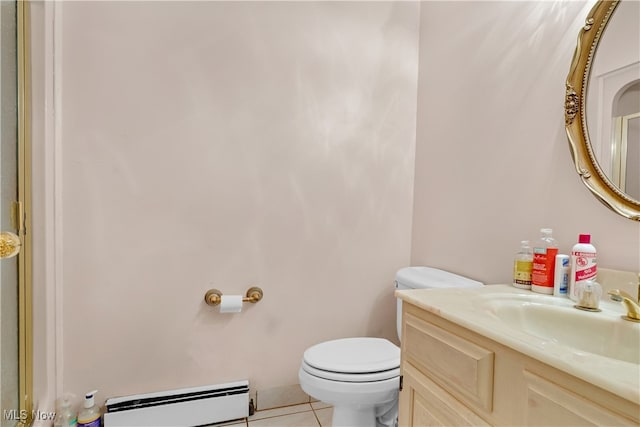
[189,407]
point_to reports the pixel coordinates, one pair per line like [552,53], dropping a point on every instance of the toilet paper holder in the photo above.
[213,297]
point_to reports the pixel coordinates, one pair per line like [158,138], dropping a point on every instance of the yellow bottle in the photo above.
[522,266]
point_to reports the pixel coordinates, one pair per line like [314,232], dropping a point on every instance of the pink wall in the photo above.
[492,160]
[229,144]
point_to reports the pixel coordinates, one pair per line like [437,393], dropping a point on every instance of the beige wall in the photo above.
[492,159]
[224,145]
[215,144]
[43,322]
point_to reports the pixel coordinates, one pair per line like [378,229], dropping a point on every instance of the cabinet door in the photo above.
[462,367]
[425,404]
[551,405]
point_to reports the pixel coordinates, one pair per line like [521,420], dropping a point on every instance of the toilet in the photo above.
[360,376]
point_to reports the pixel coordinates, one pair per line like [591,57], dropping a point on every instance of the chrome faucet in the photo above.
[633,309]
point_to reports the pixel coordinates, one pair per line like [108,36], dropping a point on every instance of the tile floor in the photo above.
[315,414]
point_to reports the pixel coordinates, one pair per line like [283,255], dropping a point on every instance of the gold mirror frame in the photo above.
[576,117]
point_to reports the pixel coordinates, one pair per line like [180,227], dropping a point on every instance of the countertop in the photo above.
[468,308]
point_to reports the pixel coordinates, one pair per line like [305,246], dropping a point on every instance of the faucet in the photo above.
[633,309]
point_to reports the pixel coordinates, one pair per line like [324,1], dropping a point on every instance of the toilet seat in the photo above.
[353,360]
[351,378]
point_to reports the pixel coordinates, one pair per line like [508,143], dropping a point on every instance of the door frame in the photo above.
[23,217]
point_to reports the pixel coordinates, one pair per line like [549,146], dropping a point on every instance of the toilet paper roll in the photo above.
[231,304]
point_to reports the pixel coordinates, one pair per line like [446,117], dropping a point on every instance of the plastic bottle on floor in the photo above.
[65,414]
[89,415]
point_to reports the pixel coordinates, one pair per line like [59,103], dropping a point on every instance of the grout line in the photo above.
[317,418]
[282,406]
[315,412]
[290,413]
[283,414]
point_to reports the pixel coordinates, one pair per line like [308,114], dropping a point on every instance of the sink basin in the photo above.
[555,319]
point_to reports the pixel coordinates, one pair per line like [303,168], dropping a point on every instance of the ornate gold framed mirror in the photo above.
[595,154]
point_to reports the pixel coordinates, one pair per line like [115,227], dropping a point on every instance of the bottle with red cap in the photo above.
[583,264]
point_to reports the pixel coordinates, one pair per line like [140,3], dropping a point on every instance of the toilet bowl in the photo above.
[360,377]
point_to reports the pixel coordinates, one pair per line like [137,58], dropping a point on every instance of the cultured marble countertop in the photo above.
[468,308]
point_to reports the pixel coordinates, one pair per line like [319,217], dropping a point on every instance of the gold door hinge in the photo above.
[18,217]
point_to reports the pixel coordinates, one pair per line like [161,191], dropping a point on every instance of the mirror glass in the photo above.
[613,100]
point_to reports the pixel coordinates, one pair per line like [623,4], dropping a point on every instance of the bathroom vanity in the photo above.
[494,356]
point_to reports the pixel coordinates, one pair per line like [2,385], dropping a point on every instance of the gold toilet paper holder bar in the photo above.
[213,297]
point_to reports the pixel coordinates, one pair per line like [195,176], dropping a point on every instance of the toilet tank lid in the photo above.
[429,277]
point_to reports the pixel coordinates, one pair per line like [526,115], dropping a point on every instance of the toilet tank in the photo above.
[428,278]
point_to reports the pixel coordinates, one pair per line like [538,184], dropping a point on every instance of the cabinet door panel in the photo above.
[457,364]
[551,405]
[423,403]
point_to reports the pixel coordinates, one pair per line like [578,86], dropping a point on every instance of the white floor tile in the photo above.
[325,416]
[320,405]
[302,419]
[285,410]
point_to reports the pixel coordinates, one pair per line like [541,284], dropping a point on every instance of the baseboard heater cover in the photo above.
[188,407]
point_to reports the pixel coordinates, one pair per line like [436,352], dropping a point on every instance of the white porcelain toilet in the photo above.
[360,377]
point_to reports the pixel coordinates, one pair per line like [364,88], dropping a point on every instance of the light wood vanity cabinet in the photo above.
[455,377]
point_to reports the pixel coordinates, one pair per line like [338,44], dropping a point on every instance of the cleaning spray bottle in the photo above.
[89,415]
